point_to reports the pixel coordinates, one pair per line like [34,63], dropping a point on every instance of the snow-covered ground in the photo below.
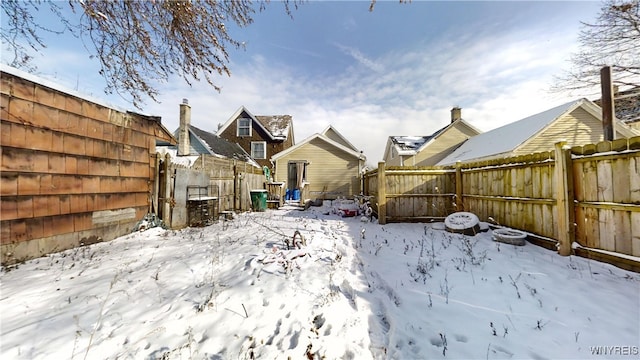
[356,291]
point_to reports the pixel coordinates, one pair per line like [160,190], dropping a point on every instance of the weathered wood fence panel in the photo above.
[419,193]
[600,202]
[607,201]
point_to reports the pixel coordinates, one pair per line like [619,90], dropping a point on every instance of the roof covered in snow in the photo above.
[409,144]
[506,138]
[277,125]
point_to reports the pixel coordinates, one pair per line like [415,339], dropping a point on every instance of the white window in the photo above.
[244,127]
[258,149]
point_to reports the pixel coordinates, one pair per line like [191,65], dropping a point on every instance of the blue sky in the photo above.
[395,71]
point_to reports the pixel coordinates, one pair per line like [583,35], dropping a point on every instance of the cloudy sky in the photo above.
[395,71]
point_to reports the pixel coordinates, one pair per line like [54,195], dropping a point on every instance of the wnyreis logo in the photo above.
[623,350]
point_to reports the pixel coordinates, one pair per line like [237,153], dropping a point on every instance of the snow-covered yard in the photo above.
[356,291]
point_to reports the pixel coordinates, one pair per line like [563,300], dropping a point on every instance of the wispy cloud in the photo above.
[360,57]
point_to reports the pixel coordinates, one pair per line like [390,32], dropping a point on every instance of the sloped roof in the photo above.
[324,138]
[221,146]
[217,146]
[408,145]
[626,105]
[411,145]
[506,138]
[330,131]
[276,126]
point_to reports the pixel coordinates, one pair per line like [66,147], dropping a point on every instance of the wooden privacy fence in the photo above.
[588,194]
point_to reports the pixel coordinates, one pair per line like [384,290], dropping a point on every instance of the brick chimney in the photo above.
[183,132]
[456,113]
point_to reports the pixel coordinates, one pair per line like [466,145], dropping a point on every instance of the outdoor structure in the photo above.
[429,150]
[577,123]
[627,106]
[74,170]
[202,176]
[260,136]
[581,200]
[324,165]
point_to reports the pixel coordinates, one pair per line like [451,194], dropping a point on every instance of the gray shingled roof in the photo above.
[221,146]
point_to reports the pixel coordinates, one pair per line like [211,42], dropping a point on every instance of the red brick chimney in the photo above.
[183,132]
[456,113]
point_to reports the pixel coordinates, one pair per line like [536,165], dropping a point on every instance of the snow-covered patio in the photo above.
[357,290]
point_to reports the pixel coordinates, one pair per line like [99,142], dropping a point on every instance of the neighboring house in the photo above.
[260,136]
[627,106]
[577,122]
[74,170]
[429,150]
[202,164]
[326,163]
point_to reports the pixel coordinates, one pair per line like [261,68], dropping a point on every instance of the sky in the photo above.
[395,71]
[353,290]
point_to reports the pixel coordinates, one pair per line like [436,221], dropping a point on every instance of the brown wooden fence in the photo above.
[588,194]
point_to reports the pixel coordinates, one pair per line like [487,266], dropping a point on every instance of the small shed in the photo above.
[324,165]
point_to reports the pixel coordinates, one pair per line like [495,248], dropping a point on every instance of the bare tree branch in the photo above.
[141,43]
[613,40]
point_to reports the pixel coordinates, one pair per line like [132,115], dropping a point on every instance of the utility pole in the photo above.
[608,108]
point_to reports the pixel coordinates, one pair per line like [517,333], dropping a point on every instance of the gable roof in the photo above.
[321,136]
[332,133]
[507,138]
[411,145]
[214,145]
[277,127]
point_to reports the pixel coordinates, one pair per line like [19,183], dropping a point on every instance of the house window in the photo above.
[244,127]
[258,149]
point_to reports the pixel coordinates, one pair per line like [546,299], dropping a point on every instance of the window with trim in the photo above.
[259,149]
[244,127]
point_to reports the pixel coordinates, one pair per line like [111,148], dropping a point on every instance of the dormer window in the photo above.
[244,127]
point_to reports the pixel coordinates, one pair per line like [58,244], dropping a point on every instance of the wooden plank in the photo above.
[634,179]
[635,233]
[564,196]
[580,226]
[590,181]
[527,182]
[592,227]
[622,235]
[578,179]
[621,181]
[605,180]
[619,261]
[607,230]
[382,197]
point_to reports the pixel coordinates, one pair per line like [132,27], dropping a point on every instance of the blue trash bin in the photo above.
[296,194]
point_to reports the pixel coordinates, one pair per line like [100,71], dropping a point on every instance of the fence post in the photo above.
[459,204]
[564,196]
[382,195]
